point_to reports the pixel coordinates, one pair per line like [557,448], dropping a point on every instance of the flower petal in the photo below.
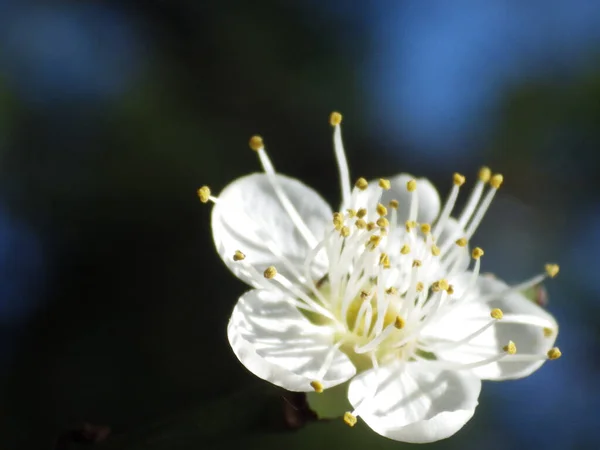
[414,402]
[279,344]
[249,217]
[528,334]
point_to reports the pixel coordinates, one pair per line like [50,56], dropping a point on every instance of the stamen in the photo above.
[345,231]
[204,194]
[361,184]
[394,204]
[360,224]
[425,228]
[554,353]
[335,119]
[495,183]
[381,210]
[477,253]
[548,332]
[382,222]
[552,270]
[238,256]
[435,250]
[349,419]
[458,180]
[270,272]
[497,314]
[338,220]
[405,250]
[399,322]
[317,386]
[411,186]
[362,212]
[510,348]
[385,184]
[256,143]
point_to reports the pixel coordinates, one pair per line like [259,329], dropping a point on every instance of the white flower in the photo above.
[379,294]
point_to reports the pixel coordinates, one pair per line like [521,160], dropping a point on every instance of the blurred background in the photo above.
[113,302]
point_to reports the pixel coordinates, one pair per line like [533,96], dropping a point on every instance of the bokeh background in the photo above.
[113,302]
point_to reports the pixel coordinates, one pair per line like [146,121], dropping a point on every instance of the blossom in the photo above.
[385,295]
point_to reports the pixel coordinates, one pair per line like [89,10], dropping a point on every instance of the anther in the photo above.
[435,286]
[384,184]
[381,210]
[338,220]
[384,260]
[411,186]
[360,224]
[204,194]
[391,291]
[450,290]
[497,314]
[371,226]
[477,253]
[270,272]
[335,118]
[256,143]
[373,242]
[552,270]
[443,283]
[364,294]
[548,332]
[496,181]
[554,353]
[410,224]
[349,419]
[238,256]
[458,179]
[362,184]
[405,250]
[416,263]
[462,242]
[420,286]
[351,213]
[317,386]
[382,222]
[485,174]
[345,231]
[394,204]
[362,212]
[435,250]
[399,322]
[425,228]
[510,348]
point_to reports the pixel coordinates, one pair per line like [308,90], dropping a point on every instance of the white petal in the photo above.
[249,216]
[528,336]
[279,344]
[414,402]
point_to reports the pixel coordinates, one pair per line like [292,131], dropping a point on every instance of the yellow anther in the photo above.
[425,228]
[384,184]
[394,204]
[256,143]
[373,242]
[335,118]
[362,184]
[497,314]
[435,286]
[382,222]
[349,419]
[477,253]
[338,220]
[317,386]
[416,263]
[450,290]
[362,212]
[462,242]
[399,322]
[458,179]
[554,353]
[548,332]
[411,186]
[435,250]
[238,256]
[510,348]
[270,272]
[405,250]
[444,284]
[360,224]
[552,270]
[371,226]
[485,174]
[420,286]
[381,210]
[410,224]
[351,213]
[496,181]
[384,260]
[364,294]
[391,291]
[204,194]
[345,231]
[383,231]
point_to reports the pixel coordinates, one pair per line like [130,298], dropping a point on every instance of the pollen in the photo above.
[411,186]
[462,242]
[350,419]
[420,286]
[362,184]
[270,272]
[384,184]
[510,348]
[405,250]
[256,143]
[384,260]
[554,353]
[416,263]
[362,212]
[485,174]
[345,231]
[394,204]
[548,332]
[477,253]
[238,256]
[351,213]
[496,181]
[335,118]
[458,179]
[435,250]
[204,194]
[382,222]
[317,386]
[381,210]
[399,322]
[391,291]
[552,270]
[497,314]
[338,220]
